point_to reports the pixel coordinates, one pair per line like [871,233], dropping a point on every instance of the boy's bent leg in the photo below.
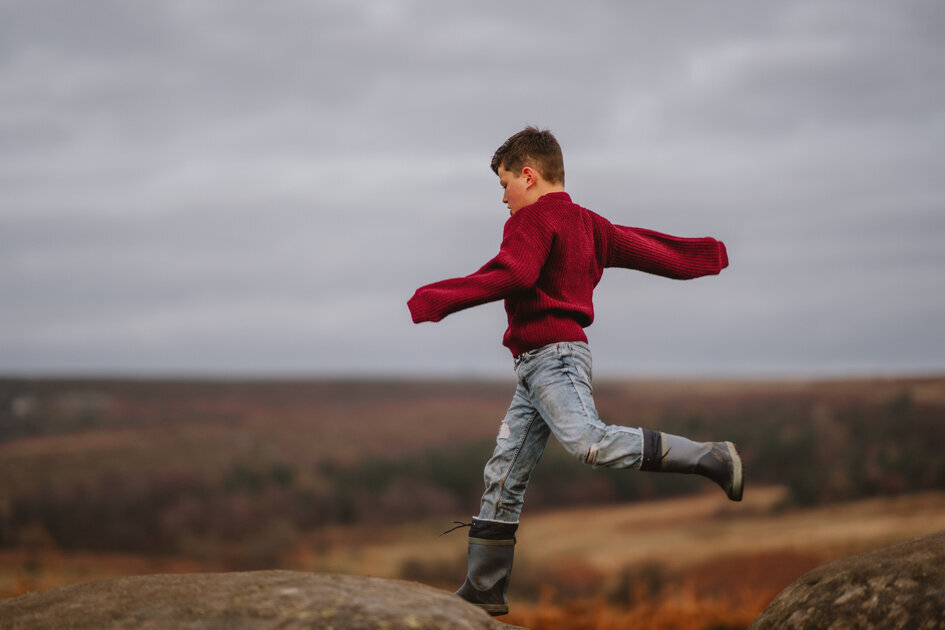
[560,388]
[719,461]
[559,384]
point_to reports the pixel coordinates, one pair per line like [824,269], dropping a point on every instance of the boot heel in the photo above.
[738,484]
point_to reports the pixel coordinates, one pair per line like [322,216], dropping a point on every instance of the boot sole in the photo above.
[495,610]
[737,481]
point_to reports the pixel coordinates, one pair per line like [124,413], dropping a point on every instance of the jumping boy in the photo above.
[552,255]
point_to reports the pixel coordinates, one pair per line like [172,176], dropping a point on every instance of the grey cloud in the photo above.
[245,187]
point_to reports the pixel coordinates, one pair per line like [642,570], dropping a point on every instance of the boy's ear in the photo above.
[530,175]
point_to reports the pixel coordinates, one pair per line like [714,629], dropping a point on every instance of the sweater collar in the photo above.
[555,196]
[546,198]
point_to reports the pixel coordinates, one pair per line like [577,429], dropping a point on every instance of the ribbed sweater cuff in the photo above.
[723,256]
[419,311]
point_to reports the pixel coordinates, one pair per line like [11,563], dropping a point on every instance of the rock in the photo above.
[890,588]
[288,600]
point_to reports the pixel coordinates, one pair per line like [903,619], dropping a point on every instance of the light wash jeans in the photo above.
[553,396]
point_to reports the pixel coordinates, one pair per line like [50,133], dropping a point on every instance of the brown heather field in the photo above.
[696,562]
[110,478]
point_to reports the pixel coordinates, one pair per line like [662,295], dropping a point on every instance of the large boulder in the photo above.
[890,588]
[287,600]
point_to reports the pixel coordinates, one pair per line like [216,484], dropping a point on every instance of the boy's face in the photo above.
[515,188]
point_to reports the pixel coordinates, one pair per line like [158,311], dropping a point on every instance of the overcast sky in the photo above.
[256,188]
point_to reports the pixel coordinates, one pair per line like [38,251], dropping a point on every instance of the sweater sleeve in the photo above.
[525,247]
[665,255]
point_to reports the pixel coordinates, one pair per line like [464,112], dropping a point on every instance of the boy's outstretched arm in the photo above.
[515,268]
[665,255]
[492,282]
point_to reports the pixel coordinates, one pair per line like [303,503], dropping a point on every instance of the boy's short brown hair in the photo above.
[531,147]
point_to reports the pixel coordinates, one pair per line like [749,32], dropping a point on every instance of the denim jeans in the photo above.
[553,397]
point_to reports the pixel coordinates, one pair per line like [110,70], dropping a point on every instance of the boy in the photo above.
[552,256]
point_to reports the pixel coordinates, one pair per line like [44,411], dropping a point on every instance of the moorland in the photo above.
[114,477]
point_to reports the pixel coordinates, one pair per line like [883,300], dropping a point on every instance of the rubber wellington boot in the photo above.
[491,547]
[719,461]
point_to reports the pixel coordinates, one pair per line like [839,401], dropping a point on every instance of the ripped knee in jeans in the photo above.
[591,456]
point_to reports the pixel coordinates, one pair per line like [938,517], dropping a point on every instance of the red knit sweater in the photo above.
[553,254]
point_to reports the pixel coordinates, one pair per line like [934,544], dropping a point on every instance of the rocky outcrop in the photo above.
[891,588]
[287,600]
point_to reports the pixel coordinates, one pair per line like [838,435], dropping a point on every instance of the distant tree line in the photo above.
[253,510]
